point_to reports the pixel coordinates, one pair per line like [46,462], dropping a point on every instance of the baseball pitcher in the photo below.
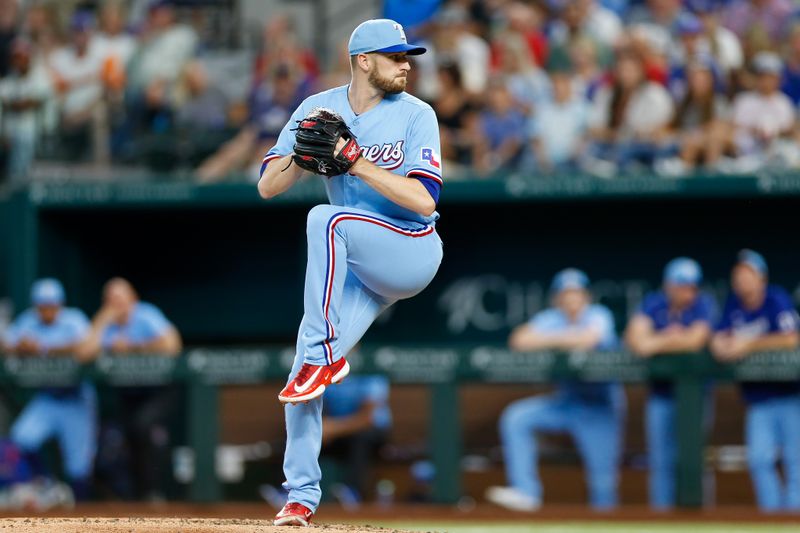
[376,148]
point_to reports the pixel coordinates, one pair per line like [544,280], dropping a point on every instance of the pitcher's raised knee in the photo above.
[319,217]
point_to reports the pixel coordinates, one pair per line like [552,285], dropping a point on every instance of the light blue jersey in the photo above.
[146,323]
[69,327]
[400,134]
[596,317]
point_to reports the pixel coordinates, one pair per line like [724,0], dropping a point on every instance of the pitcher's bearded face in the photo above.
[389,72]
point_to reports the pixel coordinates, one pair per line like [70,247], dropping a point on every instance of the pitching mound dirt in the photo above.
[166,525]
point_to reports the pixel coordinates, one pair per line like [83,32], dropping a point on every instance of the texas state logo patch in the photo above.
[430,155]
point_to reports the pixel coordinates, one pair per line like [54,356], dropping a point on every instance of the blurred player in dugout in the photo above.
[759,316]
[68,414]
[677,319]
[592,413]
[125,325]
[356,420]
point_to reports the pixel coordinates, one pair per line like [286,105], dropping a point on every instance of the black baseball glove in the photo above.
[315,145]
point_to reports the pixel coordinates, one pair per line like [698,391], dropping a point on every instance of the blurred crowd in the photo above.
[608,87]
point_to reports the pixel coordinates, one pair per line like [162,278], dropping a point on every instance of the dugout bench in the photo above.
[443,368]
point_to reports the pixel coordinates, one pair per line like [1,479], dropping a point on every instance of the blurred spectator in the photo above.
[690,44]
[762,117]
[201,106]
[125,325]
[271,106]
[166,47]
[760,317]
[356,420]
[701,126]
[790,82]
[527,82]
[658,15]
[201,121]
[719,42]
[501,132]
[592,413]
[457,118]
[526,21]
[24,96]
[558,126]
[281,48]
[9,11]
[652,49]
[41,25]
[339,72]
[585,18]
[761,24]
[628,119]
[77,69]
[677,319]
[68,413]
[116,45]
[588,74]
[452,41]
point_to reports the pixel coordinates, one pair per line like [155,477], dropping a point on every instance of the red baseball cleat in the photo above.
[293,514]
[310,382]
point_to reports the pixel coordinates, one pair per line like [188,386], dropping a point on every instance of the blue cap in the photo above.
[754,260]
[569,278]
[47,291]
[381,35]
[683,271]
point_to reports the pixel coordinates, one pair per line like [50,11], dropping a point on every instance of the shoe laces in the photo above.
[305,372]
[295,507]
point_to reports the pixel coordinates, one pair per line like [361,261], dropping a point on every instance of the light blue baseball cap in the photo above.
[754,260]
[47,291]
[381,35]
[569,278]
[683,271]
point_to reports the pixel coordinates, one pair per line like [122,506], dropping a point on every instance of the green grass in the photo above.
[591,527]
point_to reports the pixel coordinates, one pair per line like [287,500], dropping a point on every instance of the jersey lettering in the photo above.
[388,156]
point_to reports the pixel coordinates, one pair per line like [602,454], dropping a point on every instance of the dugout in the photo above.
[228,268]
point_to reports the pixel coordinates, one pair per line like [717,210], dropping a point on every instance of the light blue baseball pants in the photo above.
[72,420]
[596,428]
[772,430]
[359,263]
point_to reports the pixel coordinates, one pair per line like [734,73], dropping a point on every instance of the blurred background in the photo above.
[609,136]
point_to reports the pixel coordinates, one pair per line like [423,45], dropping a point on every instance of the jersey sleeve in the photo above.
[784,318]
[286,139]
[423,152]
[153,323]
[78,327]
[649,306]
[602,321]
[544,321]
[17,329]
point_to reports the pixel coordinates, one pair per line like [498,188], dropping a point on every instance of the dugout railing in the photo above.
[443,368]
